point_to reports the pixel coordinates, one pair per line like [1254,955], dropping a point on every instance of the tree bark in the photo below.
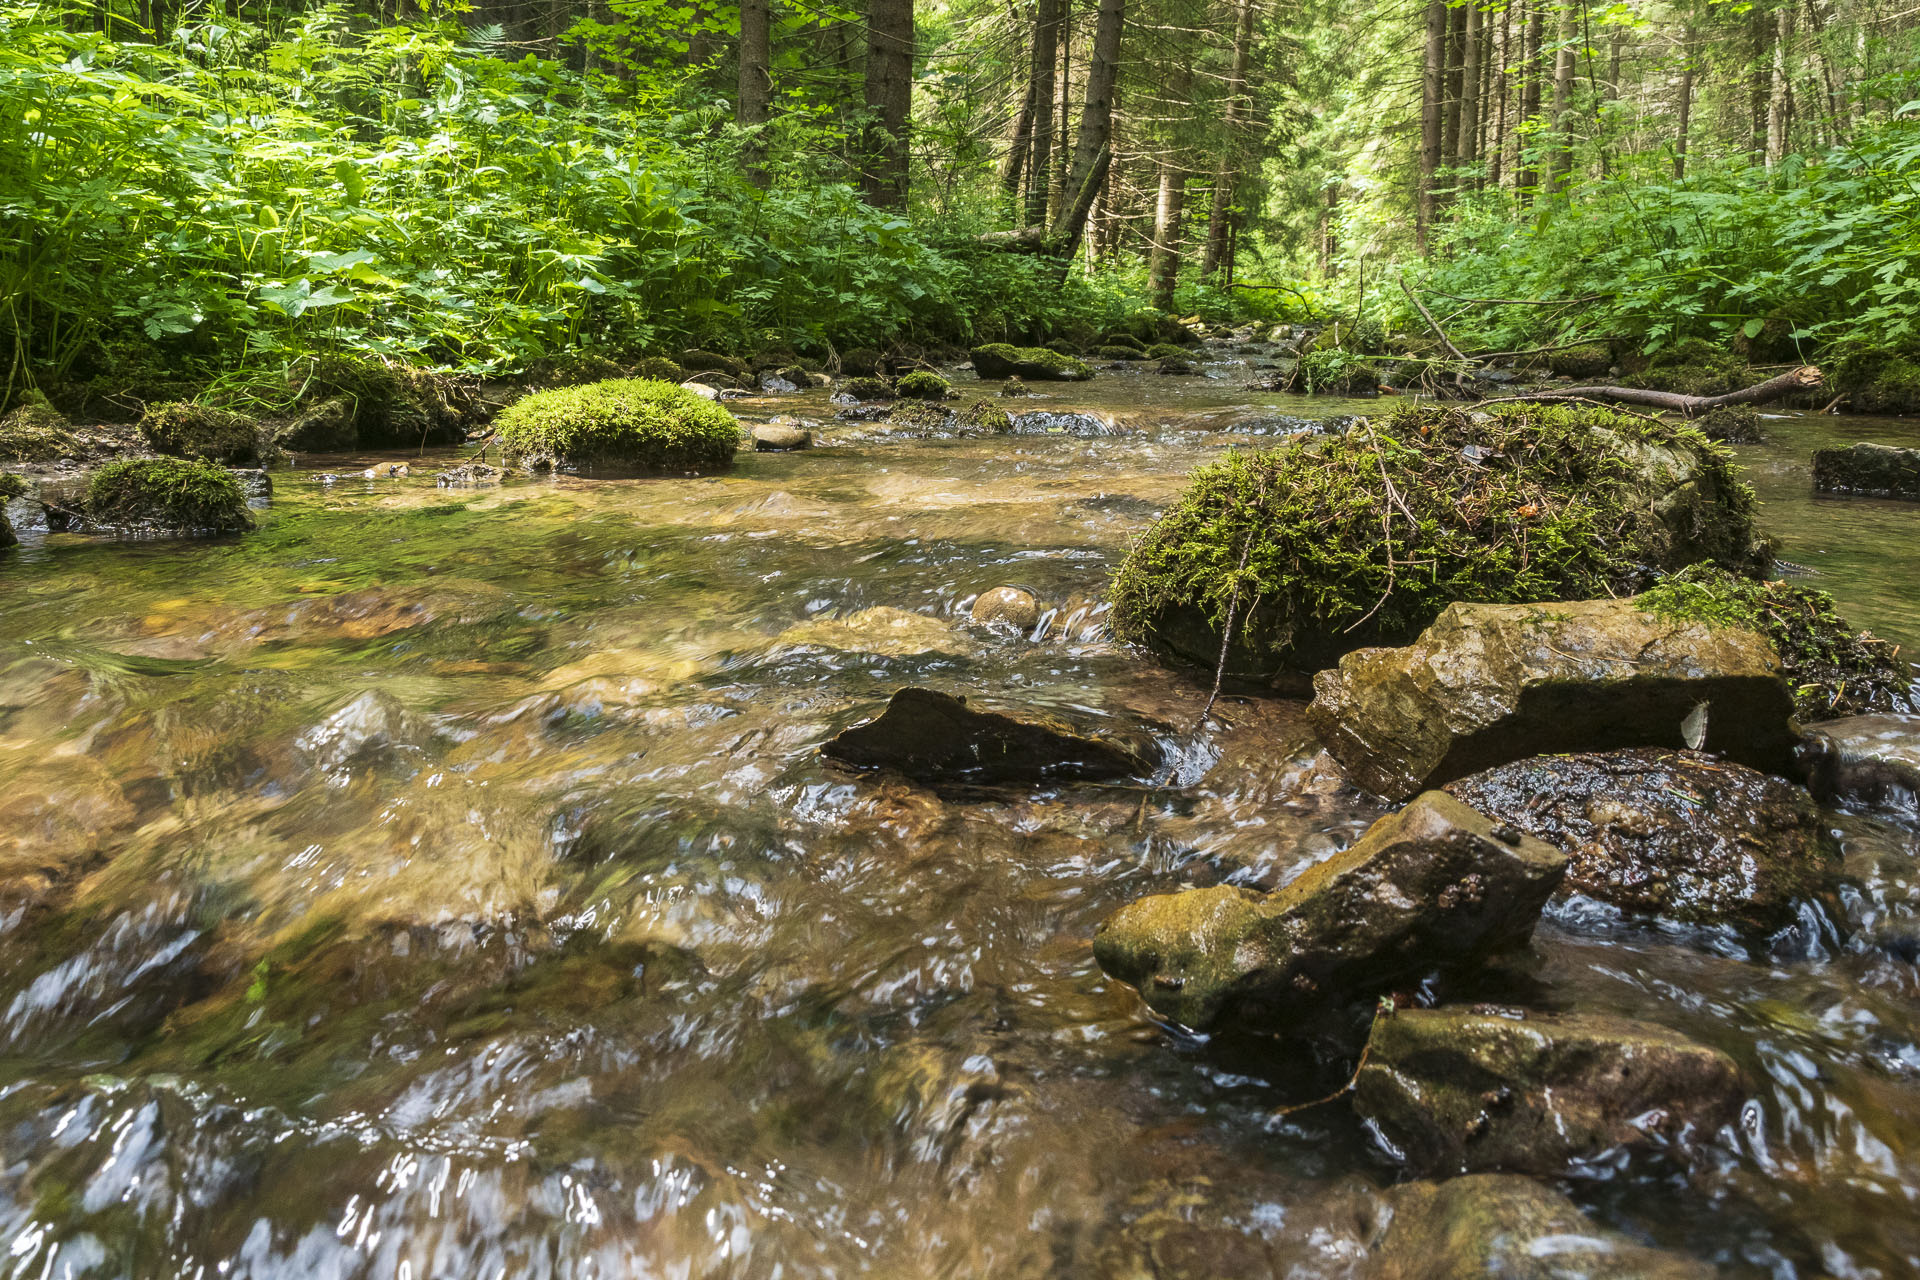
[1526,175]
[1805,378]
[1780,90]
[1227,171]
[1455,83]
[1497,149]
[1432,89]
[1163,261]
[1759,25]
[1685,107]
[1014,167]
[754,106]
[889,90]
[1057,171]
[1093,151]
[1046,49]
[1560,158]
[1470,88]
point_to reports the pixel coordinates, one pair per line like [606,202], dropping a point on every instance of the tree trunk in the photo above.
[1560,158]
[1470,88]
[1780,93]
[1497,150]
[1526,176]
[1163,262]
[889,91]
[1227,170]
[1093,151]
[1015,165]
[754,106]
[1432,90]
[1685,107]
[1046,49]
[1455,85]
[1057,171]
[1330,231]
[1760,24]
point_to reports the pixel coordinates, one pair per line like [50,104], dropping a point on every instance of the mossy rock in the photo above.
[985,415]
[1166,351]
[34,431]
[628,424]
[184,430]
[1732,424]
[571,368]
[1036,364]
[862,362]
[1064,347]
[1834,671]
[1876,381]
[1121,353]
[391,405]
[865,389]
[1694,368]
[658,369]
[1124,340]
[11,487]
[922,415]
[695,360]
[1588,360]
[168,496]
[1331,371]
[1518,503]
[923,385]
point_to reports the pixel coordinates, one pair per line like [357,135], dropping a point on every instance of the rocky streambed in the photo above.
[449,881]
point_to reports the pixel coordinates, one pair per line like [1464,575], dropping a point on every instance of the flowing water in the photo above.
[446,883]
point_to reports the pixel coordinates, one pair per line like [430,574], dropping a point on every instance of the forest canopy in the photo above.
[224,188]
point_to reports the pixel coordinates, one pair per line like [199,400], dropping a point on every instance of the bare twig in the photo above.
[1226,631]
[1805,378]
[1432,324]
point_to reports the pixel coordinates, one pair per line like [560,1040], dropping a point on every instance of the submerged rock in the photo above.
[1501,1225]
[1490,683]
[936,737]
[1015,607]
[1873,470]
[1434,886]
[325,428]
[1311,546]
[1673,834]
[781,436]
[881,630]
[1036,364]
[469,475]
[1454,1090]
[1872,761]
[1732,424]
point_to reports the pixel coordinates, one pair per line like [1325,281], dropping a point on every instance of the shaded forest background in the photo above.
[224,187]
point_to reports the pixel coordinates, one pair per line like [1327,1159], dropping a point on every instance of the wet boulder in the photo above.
[1487,684]
[782,435]
[168,497]
[469,475]
[1871,470]
[1434,886]
[1035,364]
[937,738]
[1310,546]
[1506,1226]
[1673,834]
[11,487]
[1732,424]
[327,427]
[1456,1090]
[1014,607]
[1588,360]
[1872,761]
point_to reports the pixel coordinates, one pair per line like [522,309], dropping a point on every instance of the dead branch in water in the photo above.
[1805,378]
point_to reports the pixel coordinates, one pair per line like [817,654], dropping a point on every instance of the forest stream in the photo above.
[446,882]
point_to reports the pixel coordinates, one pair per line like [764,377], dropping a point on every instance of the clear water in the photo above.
[446,884]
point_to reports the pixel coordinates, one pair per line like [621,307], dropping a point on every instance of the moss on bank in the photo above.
[34,431]
[999,360]
[167,495]
[629,423]
[186,430]
[1834,670]
[1314,554]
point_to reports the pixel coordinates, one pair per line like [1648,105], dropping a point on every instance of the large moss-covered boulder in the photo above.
[1872,470]
[1671,834]
[1435,886]
[1330,543]
[1833,670]
[1693,368]
[1456,1090]
[389,405]
[1035,364]
[1492,1226]
[185,430]
[1588,360]
[170,496]
[627,424]
[1487,684]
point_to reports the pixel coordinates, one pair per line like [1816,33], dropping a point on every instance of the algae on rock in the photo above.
[1325,545]
[167,495]
[628,423]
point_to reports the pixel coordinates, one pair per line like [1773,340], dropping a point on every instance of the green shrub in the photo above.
[923,385]
[628,423]
[198,431]
[169,495]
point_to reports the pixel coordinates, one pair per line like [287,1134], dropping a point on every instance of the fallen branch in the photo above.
[1805,378]
[1432,324]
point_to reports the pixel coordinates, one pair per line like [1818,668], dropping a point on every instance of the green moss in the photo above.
[36,432]
[1834,670]
[1334,371]
[1731,424]
[985,415]
[571,368]
[1063,347]
[1124,340]
[390,405]
[12,487]
[659,369]
[865,389]
[1517,503]
[922,385]
[198,431]
[630,423]
[1694,368]
[922,415]
[167,494]
[1876,380]
[1588,360]
[1166,351]
[861,362]
[1121,353]
[698,361]
[999,360]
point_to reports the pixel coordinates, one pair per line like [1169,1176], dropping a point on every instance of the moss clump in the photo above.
[1514,504]
[1834,670]
[167,495]
[922,415]
[1335,372]
[922,385]
[697,361]
[1121,353]
[1731,424]
[627,423]
[1063,347]
[985,415]
[1694,368]
[999,360]
[390,405]
[37,432]
[1124,340]
[1879,381]
[861,362]
[197,431]
[865,389]
[571,368]
[11,487]
[1166,351]
[659,369]
[1588,360]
